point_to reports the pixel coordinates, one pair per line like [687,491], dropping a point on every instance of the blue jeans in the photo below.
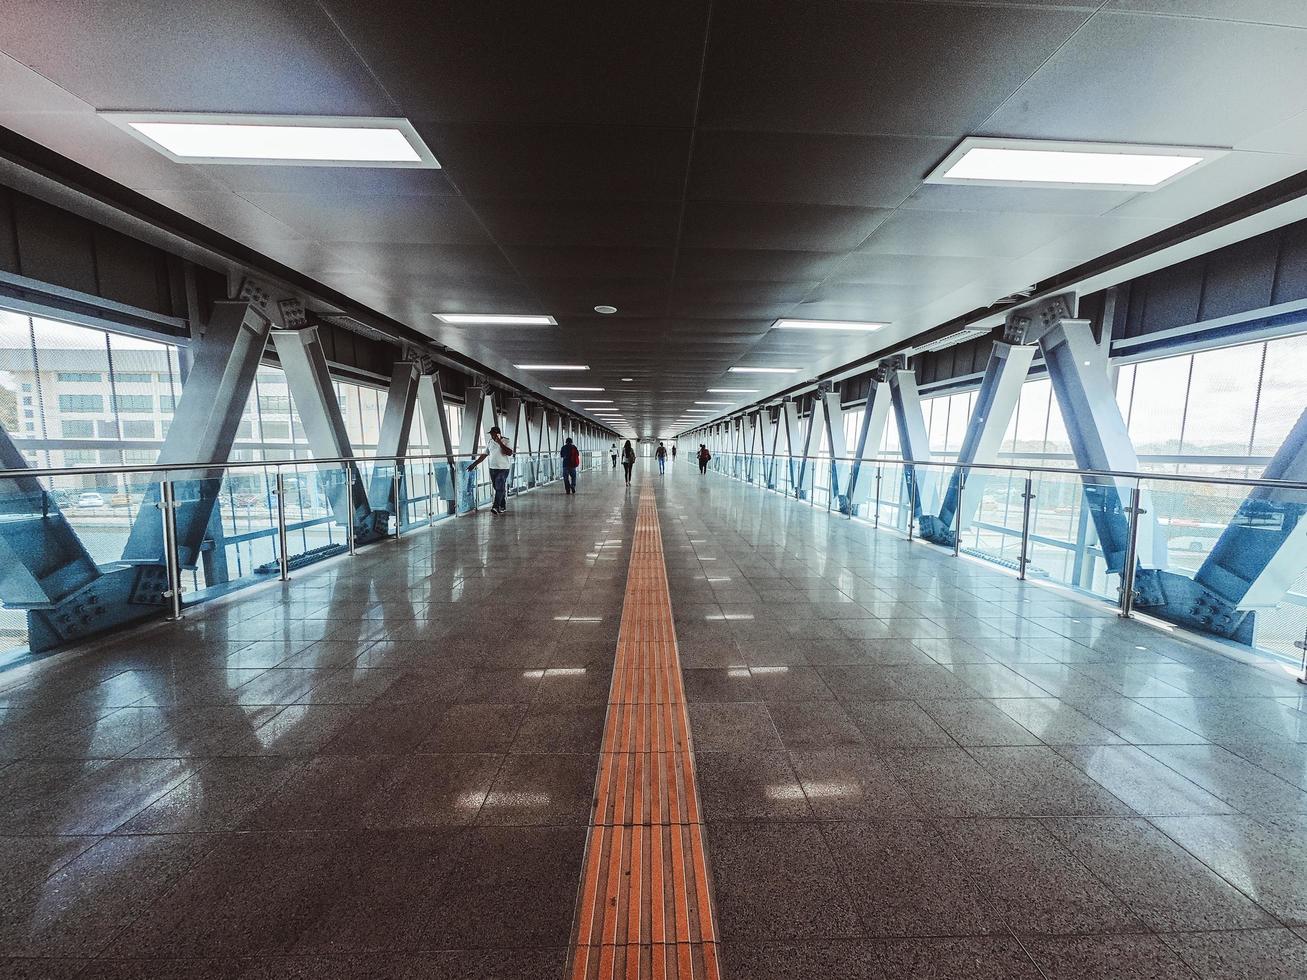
[662,463]
[500,479]
[569,478]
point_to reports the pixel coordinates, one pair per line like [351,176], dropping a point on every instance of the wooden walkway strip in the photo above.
[644,908]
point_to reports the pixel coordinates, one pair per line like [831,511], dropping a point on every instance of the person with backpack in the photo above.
[502,463]
[628,460]
[613,452]
[571,460]
[661,455]
[704,456]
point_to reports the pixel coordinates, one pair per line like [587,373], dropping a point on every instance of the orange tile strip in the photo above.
[644,909]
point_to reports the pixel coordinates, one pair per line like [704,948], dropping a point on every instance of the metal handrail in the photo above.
[1067,471]
[240,464]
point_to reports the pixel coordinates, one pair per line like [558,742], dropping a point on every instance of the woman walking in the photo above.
[628,460]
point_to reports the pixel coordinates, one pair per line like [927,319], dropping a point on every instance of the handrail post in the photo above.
[1023,559]
[912,504]
[1131,555]
[349,506]
[394,485]
[171,561]
[875,512]
[957,516]
[283,559]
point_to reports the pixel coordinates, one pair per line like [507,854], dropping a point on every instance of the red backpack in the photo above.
[573,456]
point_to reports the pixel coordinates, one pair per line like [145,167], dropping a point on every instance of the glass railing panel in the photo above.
[242,544]
[1063,539]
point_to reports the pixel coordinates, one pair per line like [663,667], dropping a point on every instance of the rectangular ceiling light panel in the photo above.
[1057,164]
[762,370]
[848,326]
[302,141]
[497,319]
[552,367]
[732,391]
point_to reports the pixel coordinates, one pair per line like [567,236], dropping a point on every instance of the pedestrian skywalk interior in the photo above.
[932,601]
[907,765]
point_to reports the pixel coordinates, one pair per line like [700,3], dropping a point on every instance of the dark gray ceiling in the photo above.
[704,166]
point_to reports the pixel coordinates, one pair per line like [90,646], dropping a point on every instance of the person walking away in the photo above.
[673,452]
[661,455]
[704,456]
[571,460]
[628,460]
[500,454]
[613,451]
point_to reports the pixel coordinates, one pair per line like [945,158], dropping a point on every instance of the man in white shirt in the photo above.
[501,463]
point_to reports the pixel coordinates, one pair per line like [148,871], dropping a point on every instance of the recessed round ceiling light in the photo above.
[602,308]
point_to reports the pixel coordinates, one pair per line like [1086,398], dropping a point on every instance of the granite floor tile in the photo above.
[851,784]
[1034,883]
[814,725]
[1165,885]
[1106,958]
[906,881]
[736,787]
[1269,954]
[554,790]
[88,902]
[776,882]
[740,727]
[973,959]
[1144,784]
[1264,860]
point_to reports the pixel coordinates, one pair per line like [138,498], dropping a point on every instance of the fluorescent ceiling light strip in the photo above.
[498,319]
[188,137]
[714,403]
[762,370]
[552,367]
[592,401]
[732,391]
[859,326]
[1064,164]
[562,388]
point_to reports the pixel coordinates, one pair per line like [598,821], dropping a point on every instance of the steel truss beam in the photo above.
[914,443]
[311,387]
[431,403]
[389,490]
[995,404]
[875,415]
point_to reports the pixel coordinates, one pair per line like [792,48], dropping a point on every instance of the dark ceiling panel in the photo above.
[909,269]
[265,56]
[621,224]
[792,227]
[838,67]
[329,181]
[433,261]
[576,162]
[811,168]
[604,263]
[1164,85]
[1288,13]
[633,297]
[966,233]
[394,220]
[755,265]
[504,61]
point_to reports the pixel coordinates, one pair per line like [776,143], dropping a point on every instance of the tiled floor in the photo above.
[915,766]
[909,765]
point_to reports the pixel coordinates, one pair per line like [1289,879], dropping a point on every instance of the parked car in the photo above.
[90,500]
